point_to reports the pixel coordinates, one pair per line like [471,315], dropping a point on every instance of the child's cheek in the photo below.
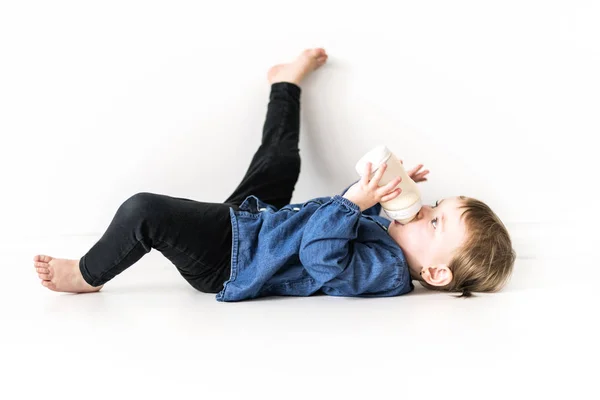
[408,239]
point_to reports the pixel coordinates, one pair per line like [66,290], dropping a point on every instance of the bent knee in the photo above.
[140,204]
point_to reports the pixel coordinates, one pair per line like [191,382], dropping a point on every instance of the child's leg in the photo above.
[194,236]
[274,170]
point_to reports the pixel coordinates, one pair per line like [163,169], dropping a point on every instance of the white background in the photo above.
[499,99]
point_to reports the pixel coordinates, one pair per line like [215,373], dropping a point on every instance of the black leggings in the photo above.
[193,235]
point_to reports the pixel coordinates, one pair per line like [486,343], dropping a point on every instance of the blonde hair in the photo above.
[484,262]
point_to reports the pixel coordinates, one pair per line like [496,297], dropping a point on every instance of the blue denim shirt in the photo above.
[325,244]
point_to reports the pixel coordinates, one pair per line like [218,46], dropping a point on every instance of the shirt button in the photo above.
[296,209]
[262,209]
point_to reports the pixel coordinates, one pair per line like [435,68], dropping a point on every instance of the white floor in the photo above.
[149,334]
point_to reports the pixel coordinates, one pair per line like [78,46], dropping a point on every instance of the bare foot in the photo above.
[62,275]
[308,61]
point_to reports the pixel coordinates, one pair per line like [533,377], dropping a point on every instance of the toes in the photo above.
[44,273]
[42,258]
[49,285]
[320,56]
[314,53]
[318,52]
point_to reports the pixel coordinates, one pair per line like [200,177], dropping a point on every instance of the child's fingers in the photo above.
[392,195]
[415,169]
[423,174]
[375,181]
[366,174]
[391,184]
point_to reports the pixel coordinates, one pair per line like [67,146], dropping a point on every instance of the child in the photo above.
[255,244]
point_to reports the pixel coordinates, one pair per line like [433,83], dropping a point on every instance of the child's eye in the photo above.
[435,220]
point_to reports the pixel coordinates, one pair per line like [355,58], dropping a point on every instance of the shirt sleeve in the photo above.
[326,245]
[335,259]
[372,211]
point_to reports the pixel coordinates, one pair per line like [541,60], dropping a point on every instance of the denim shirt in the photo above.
[325,244]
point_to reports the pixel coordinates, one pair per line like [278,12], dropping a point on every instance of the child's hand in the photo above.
[417,176]
[366,193]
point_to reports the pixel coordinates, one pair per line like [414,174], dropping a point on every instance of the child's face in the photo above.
[433,236]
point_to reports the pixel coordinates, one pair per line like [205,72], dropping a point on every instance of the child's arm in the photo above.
[331,254]
[326,246]
[375,210]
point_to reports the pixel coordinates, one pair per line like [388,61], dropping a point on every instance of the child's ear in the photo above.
[437,275]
